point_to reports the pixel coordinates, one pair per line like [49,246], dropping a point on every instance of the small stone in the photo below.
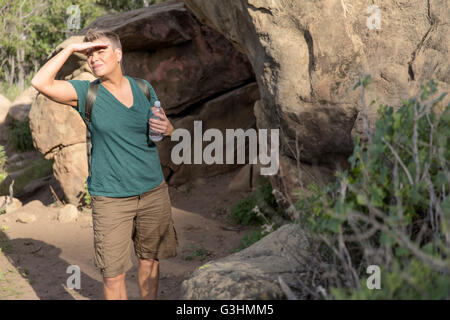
[25,217]
[68,213]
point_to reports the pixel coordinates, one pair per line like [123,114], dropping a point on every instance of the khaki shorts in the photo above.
[146,219]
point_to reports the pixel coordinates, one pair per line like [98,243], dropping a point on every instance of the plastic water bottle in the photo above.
[153,135]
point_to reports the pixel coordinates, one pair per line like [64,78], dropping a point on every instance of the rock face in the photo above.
[308,55]
[197,74]
[5,104]
[21,105]
[253,272]
[15,111]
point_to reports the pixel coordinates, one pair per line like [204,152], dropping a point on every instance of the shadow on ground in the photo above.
[42,268]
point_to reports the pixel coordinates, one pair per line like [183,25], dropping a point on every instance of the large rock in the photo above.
[308,55]
[185,61]
[35,186]
[252,274]
[21,105]
[59,133]
[70,169]
[27,213]
[231,110]
[68,213]
[55,126]
[5,104]
[15,111]
[242,180]
[246,179]
[196,73]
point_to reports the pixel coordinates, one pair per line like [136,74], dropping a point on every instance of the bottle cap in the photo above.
[157,104]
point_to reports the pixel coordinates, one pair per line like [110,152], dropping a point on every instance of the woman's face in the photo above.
[103,60]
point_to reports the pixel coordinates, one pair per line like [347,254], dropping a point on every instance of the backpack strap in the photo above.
[141,83]
[90,100]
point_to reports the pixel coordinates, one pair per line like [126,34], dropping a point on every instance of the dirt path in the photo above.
[36,255]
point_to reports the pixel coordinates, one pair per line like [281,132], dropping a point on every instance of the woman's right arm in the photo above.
[59,90]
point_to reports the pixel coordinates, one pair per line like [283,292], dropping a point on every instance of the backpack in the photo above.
[90,100]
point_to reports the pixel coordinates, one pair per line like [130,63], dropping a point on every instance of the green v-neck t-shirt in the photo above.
[124,160]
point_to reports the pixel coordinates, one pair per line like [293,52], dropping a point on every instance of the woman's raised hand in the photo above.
[85,47]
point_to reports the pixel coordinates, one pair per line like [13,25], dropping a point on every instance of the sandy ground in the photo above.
[35,256]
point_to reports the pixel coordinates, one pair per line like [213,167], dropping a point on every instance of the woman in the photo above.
[130,199]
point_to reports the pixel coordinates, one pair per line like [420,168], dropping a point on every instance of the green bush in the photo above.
[87,196]
[2,157]
[243,213]
[259,209]
[414,280]
[391,209]
[19,135]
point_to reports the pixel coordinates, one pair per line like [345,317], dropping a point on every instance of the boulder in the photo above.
[5,104]
[70,169]
[231,110]
[55,126]
[307,57]
[34,186]
[252,274]
[21,105]
[68,213]
[185,61]
[246,179]
[29,208]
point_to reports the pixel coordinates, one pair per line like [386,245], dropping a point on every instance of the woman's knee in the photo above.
[114,281]
[148,262]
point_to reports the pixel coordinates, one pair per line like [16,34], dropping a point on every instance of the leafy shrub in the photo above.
[243,213]
[412,281]
[259,209]
[87,196]
[391,209]
[20,135]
